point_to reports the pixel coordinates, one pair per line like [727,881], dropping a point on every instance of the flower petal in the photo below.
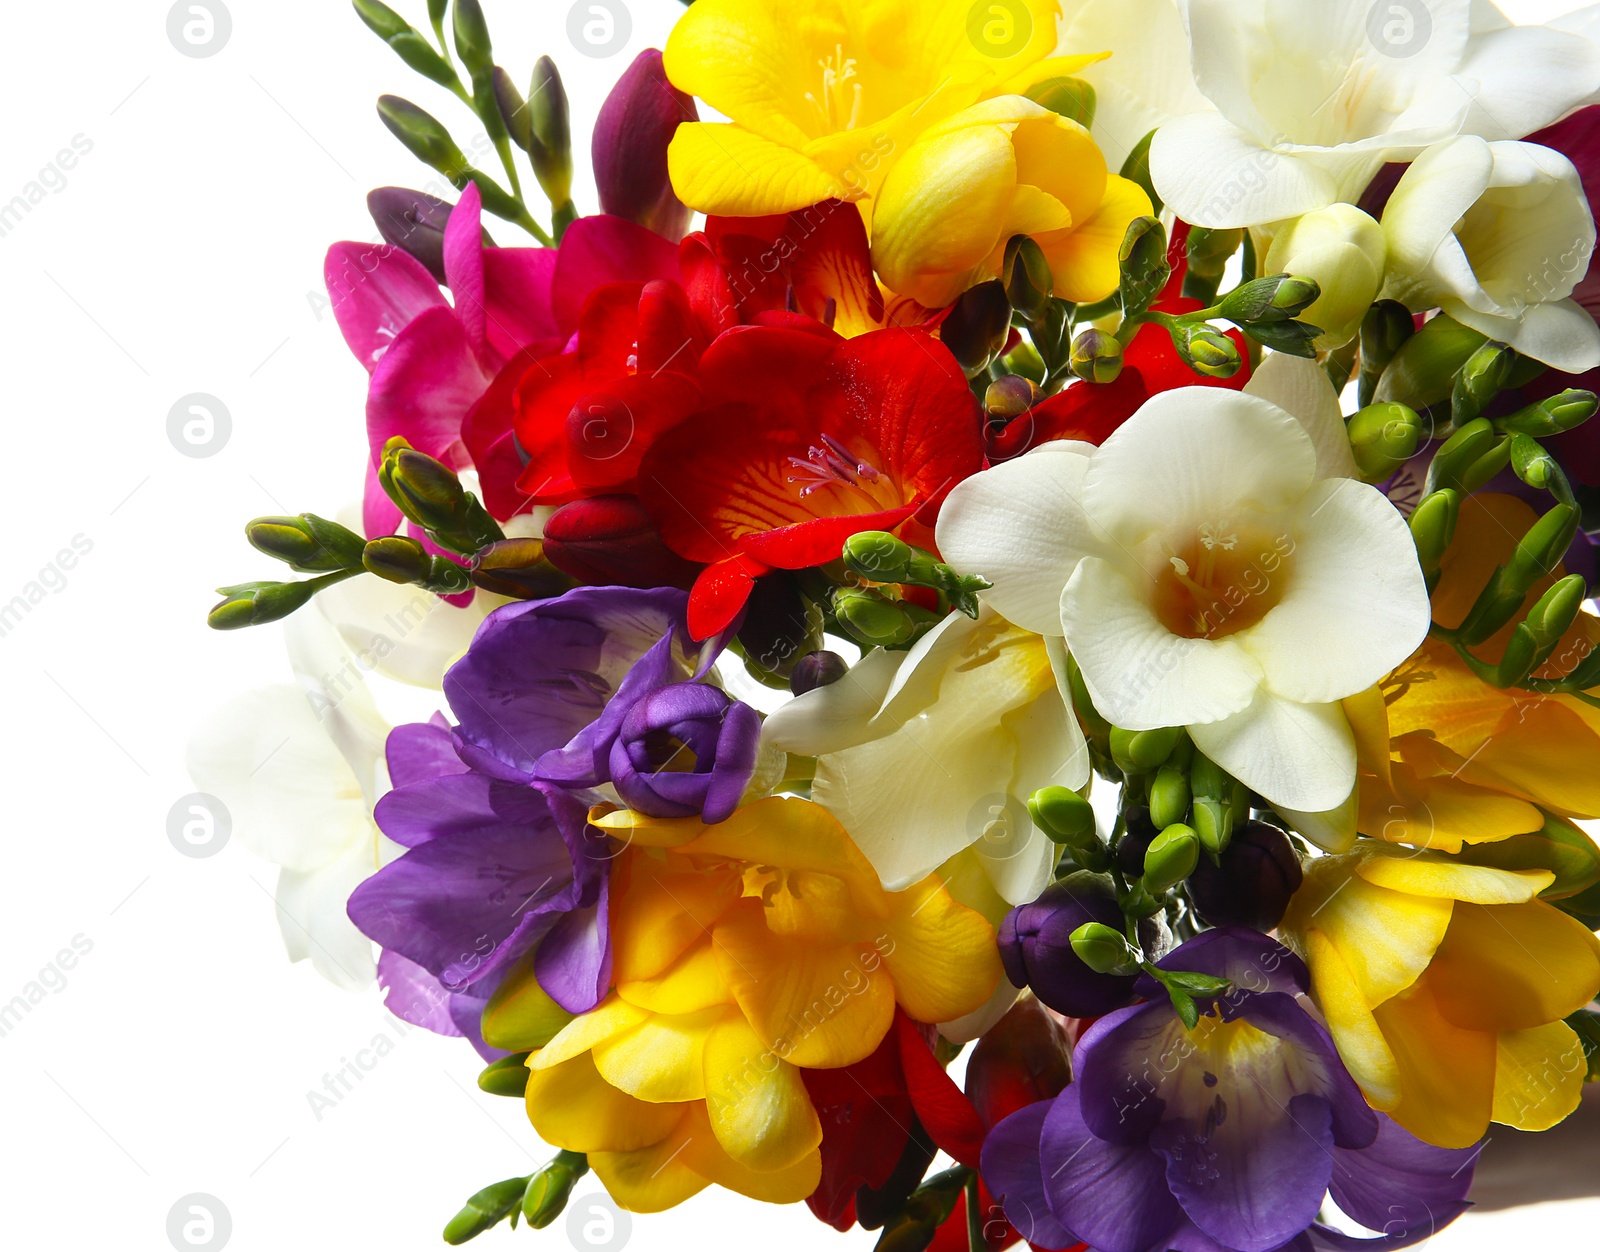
[1301,756]
[755,1101]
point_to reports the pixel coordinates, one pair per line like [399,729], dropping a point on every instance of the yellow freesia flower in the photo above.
[1001,168]
[825,95]
[1444,985]
[1447,759]
[743,952]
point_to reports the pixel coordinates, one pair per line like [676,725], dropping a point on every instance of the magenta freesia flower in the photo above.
[1225,1138]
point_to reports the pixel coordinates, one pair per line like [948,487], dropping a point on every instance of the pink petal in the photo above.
[517,293]
[463,264]
[376,290]
[601,249]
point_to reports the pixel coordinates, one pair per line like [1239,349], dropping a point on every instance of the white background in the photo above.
[183,254]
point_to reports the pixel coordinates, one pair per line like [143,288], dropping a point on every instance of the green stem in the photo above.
[975,1240]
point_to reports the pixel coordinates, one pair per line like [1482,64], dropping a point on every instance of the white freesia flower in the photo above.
[299,768]
[1310,99]
[1215,565]
[1497,235]
[1343,250]
[925,753]
[1145,82]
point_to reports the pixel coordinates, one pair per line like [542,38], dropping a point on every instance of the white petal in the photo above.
[1332,831]
[1442,184]
[1520,79]
[1301,388]
[1140,675]
[1354,601]
[1561,334]
[1300,756]
[1020,526]
[1190,455]
[1213,174]
[335,686]
[291,796]
[311,914]
[838,716]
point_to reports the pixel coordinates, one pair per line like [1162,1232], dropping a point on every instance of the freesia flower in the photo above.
[924,753]
[1344,252]
[686,750]
[1445,984]
[1228,1135]
[299,768]
[743,952]
[1497,235]
[1214,564]
[1002,168]
[1311,100]
[824,97]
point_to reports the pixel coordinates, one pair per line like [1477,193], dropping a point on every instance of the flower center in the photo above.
[1223,578]
[834,465]
[839,101]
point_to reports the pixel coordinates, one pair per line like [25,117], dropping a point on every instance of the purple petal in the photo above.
[540,673]
[463,266]
[1125,1064]
[1012,1170]
[737,748]
[1401,1185]
[414,995]
[1247,958]
[376,291]
[1113,1196]
[459,803]
[1319,1070]
[573,964]
[585,760]
[419,751]
[466,1012]
[1253,1172]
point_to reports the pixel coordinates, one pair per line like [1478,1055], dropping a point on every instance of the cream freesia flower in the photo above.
[1344,251]
[1310,100]
[926,753]
[1497,235]
[1214,564]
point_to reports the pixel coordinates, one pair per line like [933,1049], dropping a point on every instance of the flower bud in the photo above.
[1556,610]
[1251,883]
[1481,379]
[876,621]
[397,559]
[1433,526]
[817,669]
[1470,443]
[506,1077]
[780,626]
[1103,949]
[310,544]
[423,135]
[878,556]
[1342,251]
[1424,370]
[1037,950]
[1208,351]
[550,1188]
[256,604]
[1025,271]
[1213,803]
[1023,1058]
[1142,261]
[1383,437]
[1063,815]
[485,1210]
[686,750]
[1276,298]
[631,134]
[513,109]
[611,541]
[1559,413]
[1385,329]
[1540,550]
[1520,658]
[1138,833]
[1169,796]
[978,326]
[407,43]
[472,37]
[414,222]
[1072,98]
[518,569]
[1209,251]
[550,133]
[1096,356]
[1170,858]
[1136,751]
[1532,463]
[1010,397]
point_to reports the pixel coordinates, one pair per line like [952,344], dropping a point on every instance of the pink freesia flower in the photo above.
[433,360]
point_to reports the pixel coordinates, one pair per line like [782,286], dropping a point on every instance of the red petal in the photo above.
[544,397]
[819,541]
[609,541]
[488,433]
[719,594]
[611,428]
[865,1116]
[669,335]
[947,1115]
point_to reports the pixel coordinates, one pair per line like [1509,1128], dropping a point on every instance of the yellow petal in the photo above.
[1084,260]
[1447,1074]
[610,1017]
[794,835]
[718,167]
[572,1107]
[660,1059]
[1369,719]
[656,1177]
[1538,1076]
[659,912]
[1548,754]
[756,1104]
[705,1154]
[691,983]
[1514,966]
[942,955]
[1428,874]
[815,1005]
[1350,1021]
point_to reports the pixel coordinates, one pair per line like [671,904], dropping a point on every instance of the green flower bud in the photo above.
[506,1077]
[1136,169]
[1209,251]
[879,556]
[1481,379]
[1137,751]
[1520,659]
[1104,950]
[518,569]
[550,132]
[1559,413]
[1208,351]
[1169,796]
[256,604]
[397,559]
[1063,815]
[1143,263]
[1094,723]
[550,1188]
[1010,397]
[430,494]
[1026,274]
[1384,331]
[1343,251]
[1433,526]
[1383,437]
[1213,803]
[977,326]
[513,109]
[1424,369]
[877,622]
[407,43]
[1171,858]
[1455,457]
[1277,298]
[1096,356]
[1546,543]
[472,38]
[423,135]
[485,1210]
[1555,612]
[1532,463]
[310,544]
[1072,98]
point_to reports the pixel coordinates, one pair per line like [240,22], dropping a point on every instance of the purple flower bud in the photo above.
[1136,840]
[1252,886]
[412,221]
[817,669]
[631,134]
[688,750]
[1036,947]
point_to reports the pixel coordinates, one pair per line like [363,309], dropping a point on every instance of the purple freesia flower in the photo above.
[1225,1138]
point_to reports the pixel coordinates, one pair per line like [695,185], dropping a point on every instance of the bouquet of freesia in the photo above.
[1077,573]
